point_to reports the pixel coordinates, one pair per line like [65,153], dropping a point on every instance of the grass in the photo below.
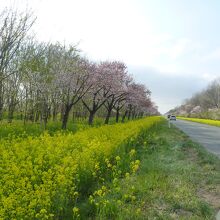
[203,121]
[18,128]
[177,179]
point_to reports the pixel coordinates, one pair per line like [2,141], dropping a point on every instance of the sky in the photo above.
[171,46]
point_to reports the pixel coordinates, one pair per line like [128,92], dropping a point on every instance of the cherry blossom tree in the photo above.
[73,78]
[119,81]
[109,85]
[138,96]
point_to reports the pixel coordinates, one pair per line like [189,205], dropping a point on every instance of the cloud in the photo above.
[213,55]
[209,77]
[180,47]
[109,30]
[168,91]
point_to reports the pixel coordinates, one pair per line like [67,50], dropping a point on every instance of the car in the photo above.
[173,117]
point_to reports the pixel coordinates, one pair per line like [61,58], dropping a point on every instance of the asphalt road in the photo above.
[208,136]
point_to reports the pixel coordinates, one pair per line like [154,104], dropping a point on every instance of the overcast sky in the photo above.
[172,46]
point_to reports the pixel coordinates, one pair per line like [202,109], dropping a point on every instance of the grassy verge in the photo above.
[177,179]
[203,121]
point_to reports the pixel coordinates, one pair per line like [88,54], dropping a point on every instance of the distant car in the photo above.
[168,116]
[173,117]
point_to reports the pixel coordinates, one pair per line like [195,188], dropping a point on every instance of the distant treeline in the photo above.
[204,104]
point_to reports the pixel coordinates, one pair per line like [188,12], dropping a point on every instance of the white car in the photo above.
[173,117]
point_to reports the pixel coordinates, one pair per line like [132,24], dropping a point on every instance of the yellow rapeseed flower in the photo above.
[117,158]
[132,152]
[75,210]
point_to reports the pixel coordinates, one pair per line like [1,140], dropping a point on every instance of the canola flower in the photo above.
[135,166]
[132,152]
[40,177]
[203,121]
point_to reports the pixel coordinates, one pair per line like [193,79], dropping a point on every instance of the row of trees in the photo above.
[204,104]
[42,81]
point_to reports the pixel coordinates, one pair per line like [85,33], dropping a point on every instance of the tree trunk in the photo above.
[1,109]
[66,111]
[48,113]
[108,116]
[62,112]
[130,112]
[37,116]
[31,114]
[65,117]
[26,105]
[91,117]
[129,115]
[117,114]
[21,115]
[45,123]
[124,116]
[45,113]
[54,114]
[1,100]
[133,115]
[11,109]
[10,116]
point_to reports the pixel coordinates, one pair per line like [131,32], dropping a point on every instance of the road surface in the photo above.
[208,136]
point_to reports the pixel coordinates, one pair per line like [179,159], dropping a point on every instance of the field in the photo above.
[203,121]
[135,170]
[47,177]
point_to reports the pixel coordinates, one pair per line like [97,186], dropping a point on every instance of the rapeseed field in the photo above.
[203,121]
[53,177]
